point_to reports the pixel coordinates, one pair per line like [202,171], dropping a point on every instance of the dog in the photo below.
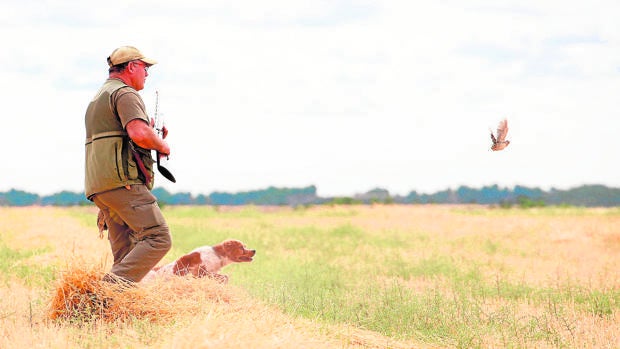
[205,261]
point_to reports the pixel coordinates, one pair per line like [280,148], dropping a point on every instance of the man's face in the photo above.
[138,71]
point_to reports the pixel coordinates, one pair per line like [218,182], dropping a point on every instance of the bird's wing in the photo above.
[502,130]
[493,138]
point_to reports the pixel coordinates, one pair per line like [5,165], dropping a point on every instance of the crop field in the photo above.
[378,276]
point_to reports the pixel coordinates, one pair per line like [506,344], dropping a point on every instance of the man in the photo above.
[119,168]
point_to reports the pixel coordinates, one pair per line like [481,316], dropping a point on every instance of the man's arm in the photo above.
[145,137]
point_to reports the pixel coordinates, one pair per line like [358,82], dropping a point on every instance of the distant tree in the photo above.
[494,194]
[468,195]
[269,196]
[411,198]
[374,196]
[65,198]
[219,198]
[526,202]
[532,193]
[162,195]
[19,198]
[344,201]
[181,199]
[585,195]
[440,197]
[201,199]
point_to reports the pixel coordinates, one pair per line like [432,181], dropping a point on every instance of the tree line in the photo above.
[585,195]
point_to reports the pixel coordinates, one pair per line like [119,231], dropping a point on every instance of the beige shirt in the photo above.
[129,105]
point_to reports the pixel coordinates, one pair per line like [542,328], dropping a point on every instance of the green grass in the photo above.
[344,274]
[15,263]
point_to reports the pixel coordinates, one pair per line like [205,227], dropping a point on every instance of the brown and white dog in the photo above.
[205,261]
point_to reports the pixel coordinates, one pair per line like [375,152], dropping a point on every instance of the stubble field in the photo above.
[383,276]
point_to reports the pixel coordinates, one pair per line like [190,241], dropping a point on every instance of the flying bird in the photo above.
[499,140]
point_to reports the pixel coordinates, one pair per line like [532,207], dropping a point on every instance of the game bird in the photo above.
[499,140]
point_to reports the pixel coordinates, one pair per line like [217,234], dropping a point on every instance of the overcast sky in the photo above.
[344,95]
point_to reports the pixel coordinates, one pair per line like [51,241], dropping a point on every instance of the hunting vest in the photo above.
[110,161]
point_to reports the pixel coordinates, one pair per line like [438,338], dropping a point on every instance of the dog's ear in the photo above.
[224,248]
[233,246]
[183,264]
[236,245]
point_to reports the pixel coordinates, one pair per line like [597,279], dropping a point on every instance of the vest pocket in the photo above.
[132,167]
[104,164]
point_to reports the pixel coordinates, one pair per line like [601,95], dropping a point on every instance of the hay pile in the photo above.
[81,295]
[221,316]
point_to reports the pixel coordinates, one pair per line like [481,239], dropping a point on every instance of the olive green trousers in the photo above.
[138,233]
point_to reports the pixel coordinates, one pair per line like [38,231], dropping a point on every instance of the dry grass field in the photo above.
[332,277]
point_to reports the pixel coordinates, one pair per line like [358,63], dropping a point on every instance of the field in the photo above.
[382,276]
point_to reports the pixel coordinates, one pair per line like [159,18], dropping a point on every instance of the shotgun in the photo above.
[162,160]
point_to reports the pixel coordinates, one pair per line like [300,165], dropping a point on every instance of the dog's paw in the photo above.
[221,278]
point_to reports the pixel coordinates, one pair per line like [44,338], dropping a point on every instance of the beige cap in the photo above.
[128,53]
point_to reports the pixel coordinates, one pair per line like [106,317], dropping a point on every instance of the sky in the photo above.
[344,95]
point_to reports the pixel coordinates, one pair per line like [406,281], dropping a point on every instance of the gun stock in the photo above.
[162,167]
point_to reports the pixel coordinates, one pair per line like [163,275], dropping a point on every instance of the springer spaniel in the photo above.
[205,261]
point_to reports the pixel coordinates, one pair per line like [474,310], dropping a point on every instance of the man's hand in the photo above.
[145,137]
[164,129]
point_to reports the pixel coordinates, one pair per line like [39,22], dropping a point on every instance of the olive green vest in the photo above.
[110,162]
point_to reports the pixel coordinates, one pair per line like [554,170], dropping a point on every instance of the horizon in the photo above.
[349,195]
